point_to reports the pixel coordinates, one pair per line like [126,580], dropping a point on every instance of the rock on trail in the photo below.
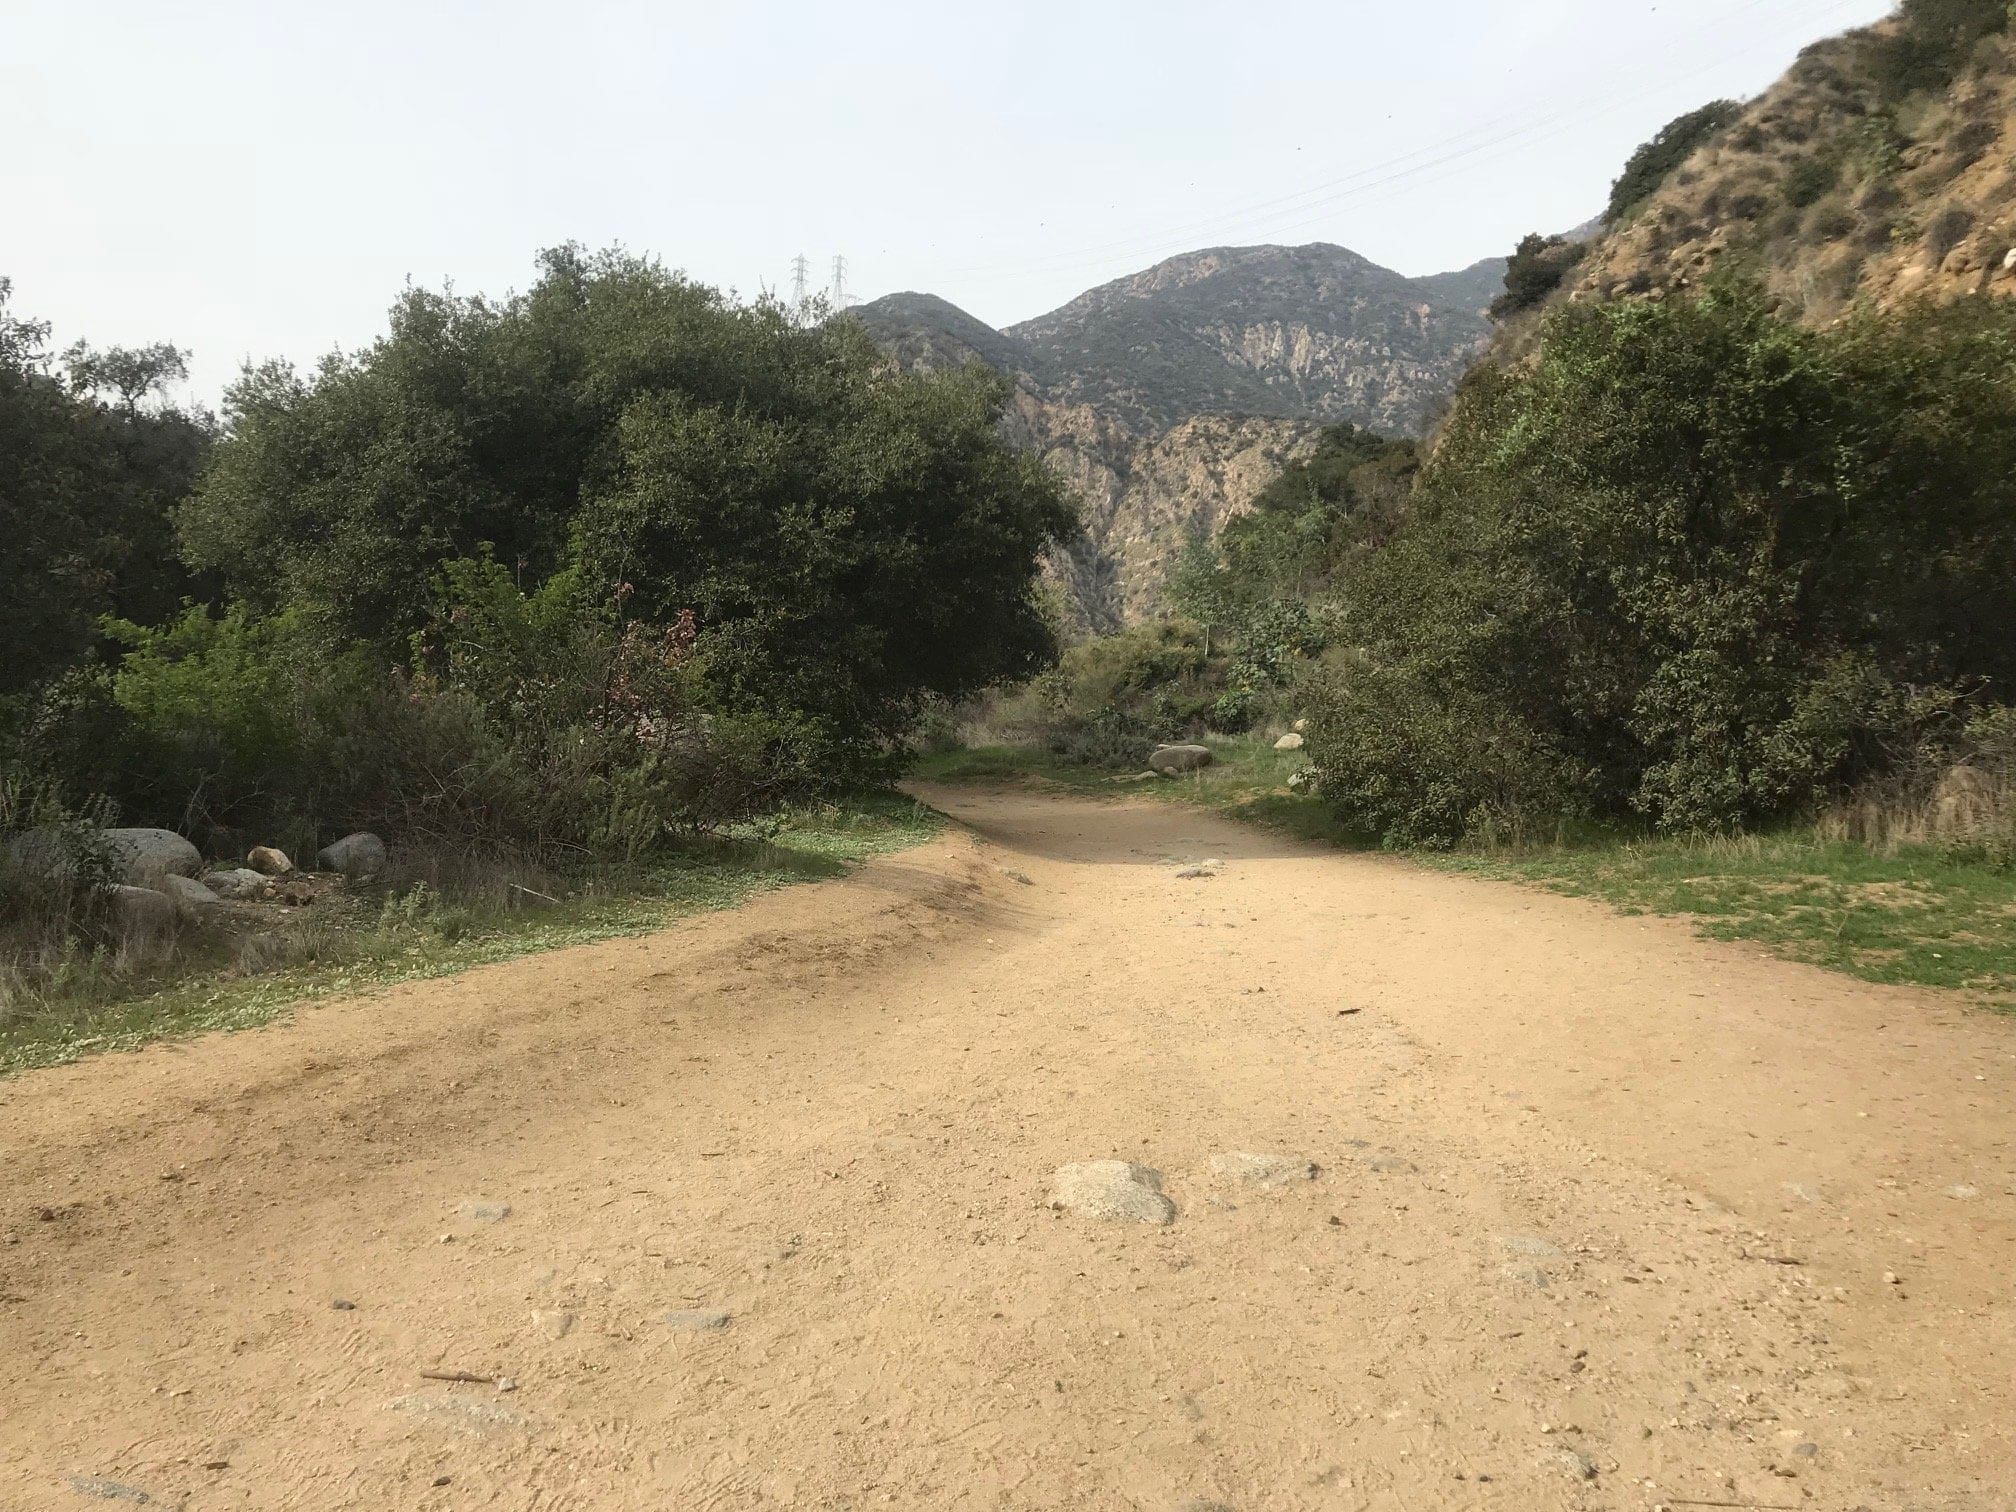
[1115,1190]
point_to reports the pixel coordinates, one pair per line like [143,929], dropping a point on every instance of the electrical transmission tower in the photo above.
[801,281]
[839,283]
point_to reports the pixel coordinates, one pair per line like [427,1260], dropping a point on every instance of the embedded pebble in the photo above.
[1262,1170]
[485,1212]
[697,1319]
[108,1490]
[553,1324]
[460,1414]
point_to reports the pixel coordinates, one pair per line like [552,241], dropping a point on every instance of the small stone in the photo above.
[342,1304]
[268,861]
[1806,1450]
[1963,1192]
[553,1323]
[1531,1245]
[1195,874]
[1018,876]
[239,882]
[1531,1275]
[697,1319]
[1112,1189]
[442,1480]
[1573,1465]
[485,1212]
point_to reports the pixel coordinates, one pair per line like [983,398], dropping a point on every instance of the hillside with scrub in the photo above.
[1881,169]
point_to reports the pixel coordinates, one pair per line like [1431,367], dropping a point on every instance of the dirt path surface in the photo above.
[756,1213]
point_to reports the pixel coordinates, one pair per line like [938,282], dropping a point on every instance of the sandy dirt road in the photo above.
[1603,1216]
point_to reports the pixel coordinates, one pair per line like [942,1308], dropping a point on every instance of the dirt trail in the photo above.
[1605,1217]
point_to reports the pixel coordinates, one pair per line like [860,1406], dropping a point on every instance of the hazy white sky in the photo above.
[253,178]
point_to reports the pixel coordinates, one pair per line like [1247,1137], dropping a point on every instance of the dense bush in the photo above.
[1931,42]
[90,462]
[1539,266]
[850,540]
[1697,563]
[561,575]
[1653,163]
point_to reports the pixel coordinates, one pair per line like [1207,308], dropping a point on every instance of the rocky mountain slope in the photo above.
[1172,397]
[1881,167]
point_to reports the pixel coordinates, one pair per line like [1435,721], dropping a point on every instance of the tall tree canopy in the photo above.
[848,538]
[90,463]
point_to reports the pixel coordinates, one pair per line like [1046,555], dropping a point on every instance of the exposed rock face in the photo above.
[1168,400]
[1299,333]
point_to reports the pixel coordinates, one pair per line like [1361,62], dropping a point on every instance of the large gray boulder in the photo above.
[141,916]
[1173,760]
[142,857]
[189,895]
[358,857]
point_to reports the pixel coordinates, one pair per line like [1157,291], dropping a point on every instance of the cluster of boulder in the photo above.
[156,876]
[1178,760]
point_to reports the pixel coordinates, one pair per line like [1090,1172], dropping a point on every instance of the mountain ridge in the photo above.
[1170,397]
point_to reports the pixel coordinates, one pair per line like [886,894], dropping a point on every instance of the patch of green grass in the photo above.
[371,942]
[1914,917]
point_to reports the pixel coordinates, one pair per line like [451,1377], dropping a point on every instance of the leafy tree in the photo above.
[85,491]
[1538,266]
[1654,162]
[848,538]
[1306,526]
[1702,563]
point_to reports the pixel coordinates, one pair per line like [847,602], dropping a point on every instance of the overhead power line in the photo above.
[1404,173]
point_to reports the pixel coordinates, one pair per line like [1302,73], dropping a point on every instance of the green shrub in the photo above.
[1698,557]
[1932,42]
[1539,266]
[1949,228]
[1653,163]
[1810,180]
[1417,762]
